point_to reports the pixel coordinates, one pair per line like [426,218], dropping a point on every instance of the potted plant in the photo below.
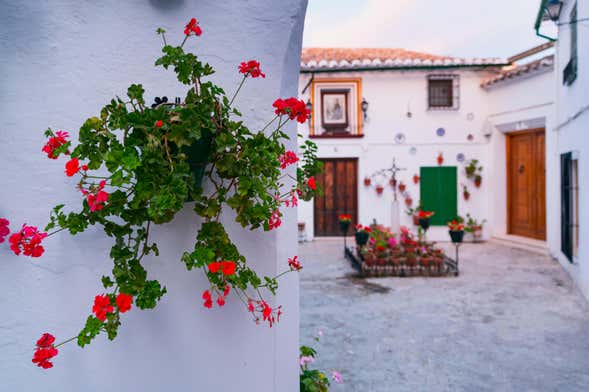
[478,179]
[379,189]
[424,219]
[416,179]
[440,159]
[402,186]
[474,227]
[362,234]
[344,222]
[367,181]
[408,201]
[472,168]
[465,192]
[393,182]
[456,230]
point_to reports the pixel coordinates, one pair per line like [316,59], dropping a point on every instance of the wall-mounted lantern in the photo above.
[364,107]
[552,9]
[310,107]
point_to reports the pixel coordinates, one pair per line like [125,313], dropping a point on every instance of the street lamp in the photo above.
[309,106]
[553,8]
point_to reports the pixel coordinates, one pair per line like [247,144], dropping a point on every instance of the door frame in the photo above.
[355,159]
[508,162]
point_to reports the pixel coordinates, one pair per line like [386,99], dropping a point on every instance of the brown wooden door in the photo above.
[526,184]
[340,186]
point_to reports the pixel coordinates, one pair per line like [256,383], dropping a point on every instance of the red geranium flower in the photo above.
[206,296]
[27,240]
[294,108]
[4,229]
[72,167]
[96,198]
[192,27]
[159,123]
[275,220]
[228,267]
[251,68]
[45,351]
[124,302]
[294,264]
[214,267]
[288,158]
[55,142]
[311,182]
[102,307]
[221,301]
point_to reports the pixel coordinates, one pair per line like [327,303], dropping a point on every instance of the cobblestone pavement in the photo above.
[512,321]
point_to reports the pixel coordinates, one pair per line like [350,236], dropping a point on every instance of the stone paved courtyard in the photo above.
[512,321]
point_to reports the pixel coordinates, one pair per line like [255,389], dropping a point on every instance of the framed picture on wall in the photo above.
[334,109]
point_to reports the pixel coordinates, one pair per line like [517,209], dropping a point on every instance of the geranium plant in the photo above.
[136,165]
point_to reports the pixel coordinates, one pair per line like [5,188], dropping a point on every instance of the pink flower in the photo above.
[274,220]
[45,351]
[294,264]
[97,197]
[208,301]
[392,242]
[305,360]
[337,377]
[294,108]
[54,143]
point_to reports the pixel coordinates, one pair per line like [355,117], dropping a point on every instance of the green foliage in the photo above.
[152,159]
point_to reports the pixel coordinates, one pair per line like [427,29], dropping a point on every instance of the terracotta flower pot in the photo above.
[408,202]
[367,181]
[466,195]
[477,233]
[416,179]
[379,189]
[440,159]
[416,220]
[477,181]
[402,187]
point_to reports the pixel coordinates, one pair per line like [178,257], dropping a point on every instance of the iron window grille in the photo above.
[569,184]
[443,92]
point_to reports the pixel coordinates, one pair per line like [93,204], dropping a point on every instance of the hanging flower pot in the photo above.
[402,187]
[416,179]
[379,189]
[362,235]
[466,194]
[456,230]
[440,159]
[344,222]
[393,182]
[367,181]
[408,201]
[478,180]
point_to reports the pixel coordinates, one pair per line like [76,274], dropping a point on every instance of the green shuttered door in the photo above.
[438,192]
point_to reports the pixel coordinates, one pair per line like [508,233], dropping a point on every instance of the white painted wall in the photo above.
[389,94]
[571,135]
[61,61]
[524,103]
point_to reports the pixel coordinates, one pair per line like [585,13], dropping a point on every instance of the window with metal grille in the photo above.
[442,92]
[569,205]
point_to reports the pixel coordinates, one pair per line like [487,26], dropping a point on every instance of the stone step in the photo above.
[514,241]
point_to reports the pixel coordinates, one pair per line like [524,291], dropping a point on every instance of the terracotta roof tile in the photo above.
[519,71]
[355,58]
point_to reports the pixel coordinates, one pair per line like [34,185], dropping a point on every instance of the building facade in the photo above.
[433,115]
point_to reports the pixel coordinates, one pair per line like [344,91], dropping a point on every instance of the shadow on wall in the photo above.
[166,5]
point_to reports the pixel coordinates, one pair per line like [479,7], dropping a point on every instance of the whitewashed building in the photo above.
[568,150]
[413,107]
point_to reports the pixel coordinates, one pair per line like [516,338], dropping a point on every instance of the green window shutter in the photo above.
[438,193]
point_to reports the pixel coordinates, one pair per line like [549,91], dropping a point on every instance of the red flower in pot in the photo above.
[367,181]
[416,179]
[478,180]
[379,189]
[466,193]
[440,159]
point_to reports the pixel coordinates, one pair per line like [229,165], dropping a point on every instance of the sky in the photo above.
[462,28]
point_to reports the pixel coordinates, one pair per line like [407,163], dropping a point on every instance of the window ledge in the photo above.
[335,136]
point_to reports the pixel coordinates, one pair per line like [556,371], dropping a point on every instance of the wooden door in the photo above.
[526,184]
[339,180]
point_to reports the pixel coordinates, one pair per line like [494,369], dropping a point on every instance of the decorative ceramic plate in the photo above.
[440,132]
[470,116]
[400,138]
[460,157]
[413,151]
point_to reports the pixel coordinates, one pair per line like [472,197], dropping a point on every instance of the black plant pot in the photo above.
[344,226]
[456,236]
[361,238]
[424,223]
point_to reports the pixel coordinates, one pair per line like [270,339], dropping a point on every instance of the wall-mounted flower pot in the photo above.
[416,179]
[424,223]
[402,187]
[344,226]
[408,202]
[367,181]
[477,181]
[440,159]
[379,189]
[456,236]
[198,156]
[477,233]
[466,195]
[361,238]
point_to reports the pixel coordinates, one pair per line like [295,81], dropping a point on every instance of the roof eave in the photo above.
[401,68]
